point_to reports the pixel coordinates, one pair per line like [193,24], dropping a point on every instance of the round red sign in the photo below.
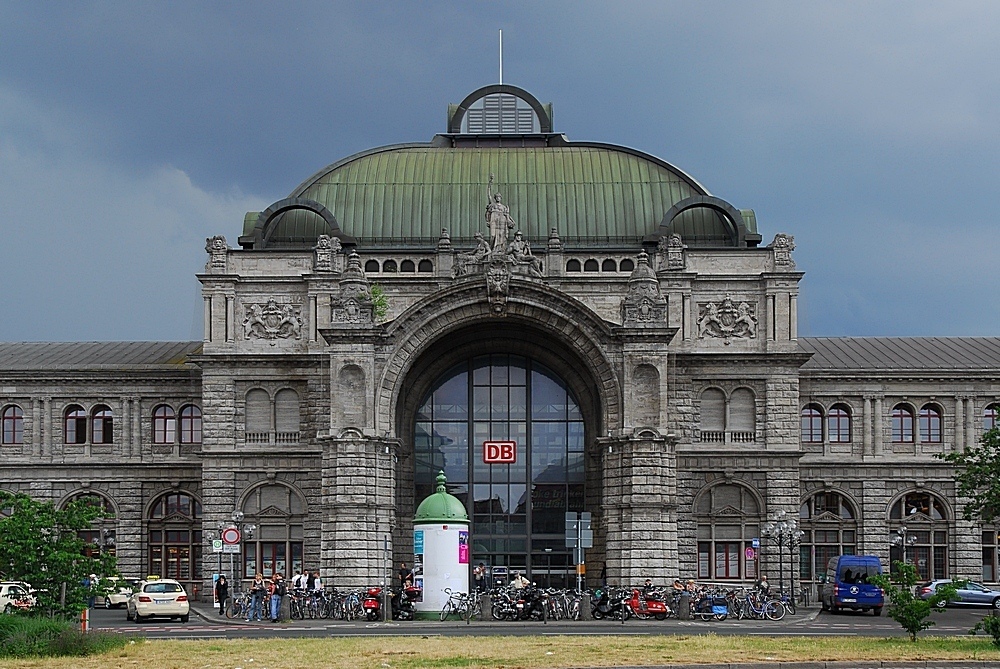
[230,535]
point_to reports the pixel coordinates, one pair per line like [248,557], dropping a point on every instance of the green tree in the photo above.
[905,607]
[977,472]
[41,545]
[380,303]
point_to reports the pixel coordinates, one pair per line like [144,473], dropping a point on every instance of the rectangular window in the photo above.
[703,565]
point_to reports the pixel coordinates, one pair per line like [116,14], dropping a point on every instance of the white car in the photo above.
[118,592]
[14,596]
[162,598]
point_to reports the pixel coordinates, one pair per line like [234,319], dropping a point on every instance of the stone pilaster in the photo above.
[639,509]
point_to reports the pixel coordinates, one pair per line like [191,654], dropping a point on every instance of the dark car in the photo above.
[970,593]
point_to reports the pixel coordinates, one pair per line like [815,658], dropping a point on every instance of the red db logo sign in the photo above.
[499,452]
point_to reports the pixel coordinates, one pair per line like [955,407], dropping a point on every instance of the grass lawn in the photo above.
[530,651]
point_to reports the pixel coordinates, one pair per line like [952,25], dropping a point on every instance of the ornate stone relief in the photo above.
[727,320]
[324,252]
[498,284]
[444,241]
[670,250]
[354,303]
[783,246]
[271,320]
[555,244]
[218,251]
[644,303]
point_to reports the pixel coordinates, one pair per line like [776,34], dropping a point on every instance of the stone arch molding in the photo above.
[253,487]
[567,321]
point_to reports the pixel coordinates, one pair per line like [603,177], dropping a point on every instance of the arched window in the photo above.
[838,424]
[190,424]
[175,537]
[609,265]
[103,429]
[728,517]
[741,426]
[811,424]
[713,416]
[627,265]
[829,525]
[407,266]
[371,266]
[75,425]
[276,546]
[591,266]
[573,265]
[425,266]
[101,535]
[13,425]
[902,424]
[918,522]
[286,416]
[258,416]
[930,424]
[164,425]
[991,417]
[389,266]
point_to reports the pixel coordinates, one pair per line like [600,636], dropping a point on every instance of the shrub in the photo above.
[990,625]
[31,636]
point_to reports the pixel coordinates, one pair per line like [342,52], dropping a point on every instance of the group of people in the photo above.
[266,594]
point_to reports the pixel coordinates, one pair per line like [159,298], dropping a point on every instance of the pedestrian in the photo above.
[278,589]
[405,575]
[298,581]
[762,586]
[310,580]
[258,591]
[479,575]
[317,583]
[222,593]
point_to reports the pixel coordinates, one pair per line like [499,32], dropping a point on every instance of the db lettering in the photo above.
[499,452]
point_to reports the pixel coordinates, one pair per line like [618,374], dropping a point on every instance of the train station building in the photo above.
[559,326]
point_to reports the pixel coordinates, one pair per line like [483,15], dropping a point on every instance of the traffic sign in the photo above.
[231,535]
[750,553]
[216,545]
[755,542]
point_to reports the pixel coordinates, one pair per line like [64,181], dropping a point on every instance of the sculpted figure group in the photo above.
[499,223]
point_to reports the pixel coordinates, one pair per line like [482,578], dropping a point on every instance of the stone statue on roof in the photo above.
[498,219]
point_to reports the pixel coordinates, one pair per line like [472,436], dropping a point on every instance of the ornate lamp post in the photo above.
[902,539]
[783,531]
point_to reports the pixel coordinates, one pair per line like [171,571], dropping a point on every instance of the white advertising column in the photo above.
[441,546]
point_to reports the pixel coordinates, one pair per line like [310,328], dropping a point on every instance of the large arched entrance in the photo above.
[516,499]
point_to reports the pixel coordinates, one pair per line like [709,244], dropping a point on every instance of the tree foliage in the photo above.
[905,607]
[41,545]
[978,477]
[380,303]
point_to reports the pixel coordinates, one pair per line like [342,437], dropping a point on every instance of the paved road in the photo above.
[206,623]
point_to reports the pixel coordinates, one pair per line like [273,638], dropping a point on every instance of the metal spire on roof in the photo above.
[501,55]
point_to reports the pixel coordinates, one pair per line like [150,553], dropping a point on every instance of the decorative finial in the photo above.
[441,480]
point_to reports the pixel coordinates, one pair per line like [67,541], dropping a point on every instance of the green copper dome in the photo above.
[440,507]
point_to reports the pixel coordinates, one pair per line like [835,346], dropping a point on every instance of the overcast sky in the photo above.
[131,131]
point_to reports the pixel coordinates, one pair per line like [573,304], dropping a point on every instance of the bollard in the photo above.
[85,620]
[684,606]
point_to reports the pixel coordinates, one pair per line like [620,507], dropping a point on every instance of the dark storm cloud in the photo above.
[131,131]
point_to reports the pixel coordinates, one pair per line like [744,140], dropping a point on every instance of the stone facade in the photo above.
[684,359]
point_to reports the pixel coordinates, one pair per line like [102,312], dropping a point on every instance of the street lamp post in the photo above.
[902,539]
[783,531]
[237,517]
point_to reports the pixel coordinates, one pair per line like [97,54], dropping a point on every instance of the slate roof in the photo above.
[22,356]
[902,353]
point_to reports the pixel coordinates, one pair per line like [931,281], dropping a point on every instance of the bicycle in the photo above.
[457,604]
[788,602]
[239,605]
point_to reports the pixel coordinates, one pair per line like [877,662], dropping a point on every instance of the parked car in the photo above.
[162,598]
[15,595]
[118,591]
[847,584]
[970,593]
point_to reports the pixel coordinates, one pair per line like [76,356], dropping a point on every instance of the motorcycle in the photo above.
[400,602]
[608,603]
[649,606]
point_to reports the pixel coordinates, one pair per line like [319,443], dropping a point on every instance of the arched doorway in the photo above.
[918,525]
[517,507]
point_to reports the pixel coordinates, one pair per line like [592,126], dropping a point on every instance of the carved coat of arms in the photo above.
[272,321]
[727,320]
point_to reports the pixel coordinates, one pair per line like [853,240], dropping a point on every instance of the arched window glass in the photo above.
[991,417]
[389,266]
[829,525]
[258,412]
[930,424]
[425,266]
[591,266]
[713,416]
[573,265]
[728,517]
[407,266]
[75,425]
[811,424]
[371,266]
[742,416]
[838,424]
[103,425]
[175,537]
[609,265]
[13,425]
[190,424]
[286,416]
[101,536]
[918,522]
[902,424]
[164,425]
[627,265]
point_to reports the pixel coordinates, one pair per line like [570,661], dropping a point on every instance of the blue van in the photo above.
[847,584]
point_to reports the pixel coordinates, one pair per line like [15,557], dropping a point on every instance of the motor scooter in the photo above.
[372,603]
[649,606]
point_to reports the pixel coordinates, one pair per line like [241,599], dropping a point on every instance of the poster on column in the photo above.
[463,547]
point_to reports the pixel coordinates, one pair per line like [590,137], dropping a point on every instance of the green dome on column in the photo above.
[440,507]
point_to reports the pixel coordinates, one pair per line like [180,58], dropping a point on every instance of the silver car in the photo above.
[970,593]
[162,598]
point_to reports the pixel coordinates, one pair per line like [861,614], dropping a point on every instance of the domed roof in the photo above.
[592,194]
[440,507]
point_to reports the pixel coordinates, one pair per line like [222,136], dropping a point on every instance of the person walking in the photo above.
[222,593]
[278,589]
